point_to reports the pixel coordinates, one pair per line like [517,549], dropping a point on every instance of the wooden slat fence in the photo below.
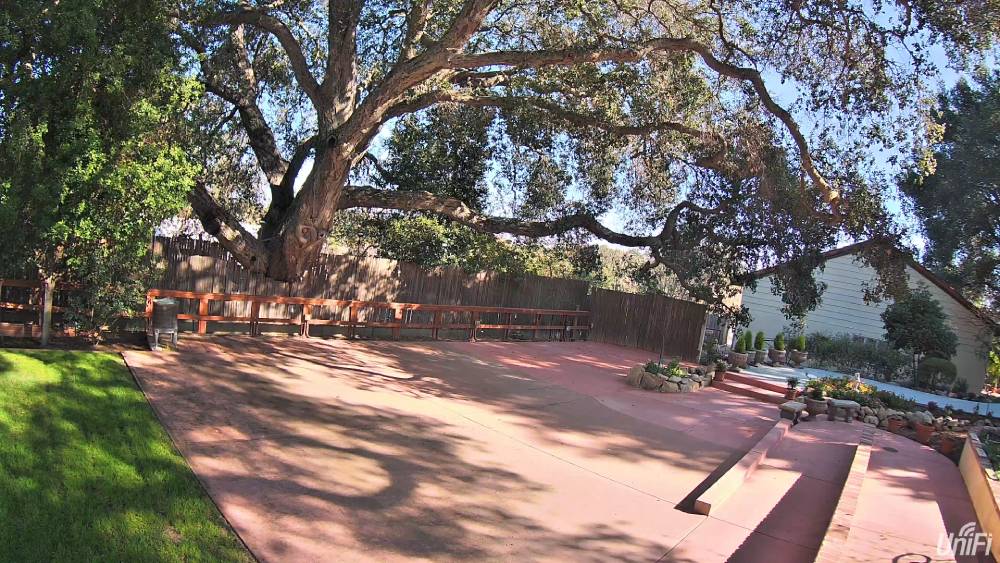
[203,266]
[367,314]
[21,303]
[648,322]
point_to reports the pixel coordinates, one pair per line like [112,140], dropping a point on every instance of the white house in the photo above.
[843,309]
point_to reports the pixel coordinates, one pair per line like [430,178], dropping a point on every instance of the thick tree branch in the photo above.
[259,133]
[280,31]
[456,210]
[566,57]
[219,223]
[416,24]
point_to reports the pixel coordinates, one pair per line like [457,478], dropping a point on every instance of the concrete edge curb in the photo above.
[733,479]
[837,532]
[173,443]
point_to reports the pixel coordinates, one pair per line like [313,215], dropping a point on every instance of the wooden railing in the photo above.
[394,316]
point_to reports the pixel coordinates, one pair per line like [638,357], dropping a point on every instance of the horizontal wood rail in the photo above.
[383,315]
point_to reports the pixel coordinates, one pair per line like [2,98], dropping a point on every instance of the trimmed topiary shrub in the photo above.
[779,341]
[799,343]
[741,344]
[758,342]
[936,372]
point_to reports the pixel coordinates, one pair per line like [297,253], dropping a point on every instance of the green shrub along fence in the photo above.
[844,354]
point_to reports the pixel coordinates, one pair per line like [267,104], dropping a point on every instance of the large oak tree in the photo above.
[663,108]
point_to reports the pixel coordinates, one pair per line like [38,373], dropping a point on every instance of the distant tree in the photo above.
[92,109]
[955,190]
[918,324]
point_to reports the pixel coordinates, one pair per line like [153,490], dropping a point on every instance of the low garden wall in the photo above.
[983,486]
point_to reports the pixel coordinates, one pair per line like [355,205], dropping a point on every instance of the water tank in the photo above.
[164,315]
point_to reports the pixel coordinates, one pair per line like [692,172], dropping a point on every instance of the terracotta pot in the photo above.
[759,356]
[720,375]
[950,443]
[777,356]
[924,432]
[896,424]
[791,394]
[738,360]
[796,357]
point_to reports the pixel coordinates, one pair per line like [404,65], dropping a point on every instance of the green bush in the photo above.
[674,369]
[741,344]
[961,386]
[748,340]
[758,342]
[842,353]
[800,343]
[652,367]
[779,341]
[933,373]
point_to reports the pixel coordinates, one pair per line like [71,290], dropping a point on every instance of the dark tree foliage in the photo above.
[91,111]
[956,192]
[917,323]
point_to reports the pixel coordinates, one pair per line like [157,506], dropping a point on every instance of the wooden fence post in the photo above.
[353,322]
[435,332]
[538,322]
[306,315]
[46,312]
[255,318]
[475,326]
[397,317]
[202,312]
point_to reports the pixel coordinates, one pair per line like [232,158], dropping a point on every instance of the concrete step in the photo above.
[749,390]
[756,382]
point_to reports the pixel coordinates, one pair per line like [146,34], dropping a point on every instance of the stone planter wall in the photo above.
[983,486]
[639,377]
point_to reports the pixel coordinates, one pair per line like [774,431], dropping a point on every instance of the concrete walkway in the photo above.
[319,449]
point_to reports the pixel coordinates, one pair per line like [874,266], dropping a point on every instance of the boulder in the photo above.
[918,417]
[871,419]
[687,387]
[651,381]
[674,379]
[635,376]
[867,411]
[670,387]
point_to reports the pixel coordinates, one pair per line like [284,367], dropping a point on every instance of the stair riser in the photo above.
[756,382]
[759,395]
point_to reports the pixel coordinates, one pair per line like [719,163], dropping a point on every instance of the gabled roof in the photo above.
[910,261]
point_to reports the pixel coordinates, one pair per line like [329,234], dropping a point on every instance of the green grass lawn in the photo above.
[88,474]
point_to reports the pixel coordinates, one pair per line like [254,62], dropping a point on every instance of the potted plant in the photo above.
[793,388]
[738,357]
[777,351]
[798,354]
[815,401]
[720,370]
[896,423]
[950,442]
[760,349]
[924,432]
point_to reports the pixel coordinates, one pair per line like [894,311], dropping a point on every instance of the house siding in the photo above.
[844,311]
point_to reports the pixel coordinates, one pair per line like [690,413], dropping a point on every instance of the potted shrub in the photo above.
[798,354]
[896,423]
[760,348]
[924,432]
[815,401]
[720,370]
[793,388]
[738,357]
[951,442]
[777,351]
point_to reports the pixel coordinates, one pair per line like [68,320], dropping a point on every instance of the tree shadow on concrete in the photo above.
[311,473]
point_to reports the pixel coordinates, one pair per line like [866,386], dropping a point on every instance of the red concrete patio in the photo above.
[320,449]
